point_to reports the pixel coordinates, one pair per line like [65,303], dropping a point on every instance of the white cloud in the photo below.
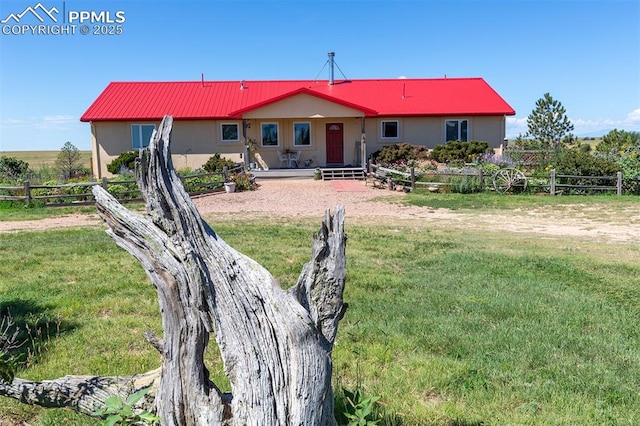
[516,126]
[58,121]
[51,122]
[633,117]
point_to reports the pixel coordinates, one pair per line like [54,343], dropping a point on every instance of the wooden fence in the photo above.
[80,193]
[427,180]
[557,184]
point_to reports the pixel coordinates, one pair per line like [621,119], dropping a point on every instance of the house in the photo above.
[330,123]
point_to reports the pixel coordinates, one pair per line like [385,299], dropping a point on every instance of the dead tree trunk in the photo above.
[275,344]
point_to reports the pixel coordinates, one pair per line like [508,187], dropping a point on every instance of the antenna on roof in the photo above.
[202,80]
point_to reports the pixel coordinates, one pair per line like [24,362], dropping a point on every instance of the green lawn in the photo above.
[447,326]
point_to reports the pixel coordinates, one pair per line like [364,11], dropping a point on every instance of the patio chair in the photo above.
[284,159]
[295,159]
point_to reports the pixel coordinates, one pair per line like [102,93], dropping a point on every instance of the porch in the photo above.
[325,173]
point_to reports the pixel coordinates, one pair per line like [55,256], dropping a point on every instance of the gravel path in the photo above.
[306,198]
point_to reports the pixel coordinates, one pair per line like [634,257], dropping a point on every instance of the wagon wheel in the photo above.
[509,180]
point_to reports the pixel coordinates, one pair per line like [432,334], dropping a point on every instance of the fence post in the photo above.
[105,183]
[481,177]
[552,182]
[619,183]
[27,192]
[225,173]
[413,178]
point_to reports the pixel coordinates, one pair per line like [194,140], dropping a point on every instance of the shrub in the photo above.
[216,163]
[196,183]
[457,151]
[123,189]
[126,161]
[244,181]
[400,153]
[12,169]
[464,184]
[577,162]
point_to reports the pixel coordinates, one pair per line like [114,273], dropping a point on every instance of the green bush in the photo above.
[195,183]
[126,160]
[464,184]
[244,181]
[216,163]
[457,151]
[402,153]
[122,190]
[12,169]
[577,162]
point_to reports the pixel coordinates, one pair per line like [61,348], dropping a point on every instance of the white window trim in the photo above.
[382,136]
[262,136]
[294,133]
[222,139]
[140,134]
[459,120]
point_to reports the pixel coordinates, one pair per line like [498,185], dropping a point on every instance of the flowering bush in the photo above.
[243,181]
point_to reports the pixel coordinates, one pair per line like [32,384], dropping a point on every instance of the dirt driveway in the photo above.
[281,198]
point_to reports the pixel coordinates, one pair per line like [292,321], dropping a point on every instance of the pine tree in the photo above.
[68,160]
[548,122]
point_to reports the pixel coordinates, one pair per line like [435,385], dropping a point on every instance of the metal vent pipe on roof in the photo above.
[331,65]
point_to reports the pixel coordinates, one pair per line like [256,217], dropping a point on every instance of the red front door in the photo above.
[335,142]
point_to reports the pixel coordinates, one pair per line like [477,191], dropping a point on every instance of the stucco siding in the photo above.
[303,106]
[193,143]
[430,131]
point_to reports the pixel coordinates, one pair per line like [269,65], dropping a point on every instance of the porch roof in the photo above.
[205,100]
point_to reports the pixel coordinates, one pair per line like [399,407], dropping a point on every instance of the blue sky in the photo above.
[586,54]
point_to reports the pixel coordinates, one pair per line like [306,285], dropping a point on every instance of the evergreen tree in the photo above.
[548,122]
[68,160]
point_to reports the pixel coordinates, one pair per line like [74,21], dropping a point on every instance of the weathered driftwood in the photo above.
[275,344]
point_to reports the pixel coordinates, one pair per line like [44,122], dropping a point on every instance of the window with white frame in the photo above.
[269,134]
[141,135]
[389,129]
[456,130]
[229,132]
[302,134]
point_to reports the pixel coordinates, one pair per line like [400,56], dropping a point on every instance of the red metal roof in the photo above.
[195,100]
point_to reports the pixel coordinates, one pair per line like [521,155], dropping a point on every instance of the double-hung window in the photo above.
[456,130]
[141,135]
[269,134]
[302,134]
[389,129]
[229,132]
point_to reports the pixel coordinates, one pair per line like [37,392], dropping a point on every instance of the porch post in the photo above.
[363,145]
[244,143]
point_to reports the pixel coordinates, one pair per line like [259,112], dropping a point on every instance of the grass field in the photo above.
[447,326]
[40,159]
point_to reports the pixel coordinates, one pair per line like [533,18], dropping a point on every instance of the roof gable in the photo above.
[125,101]
[306,91]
